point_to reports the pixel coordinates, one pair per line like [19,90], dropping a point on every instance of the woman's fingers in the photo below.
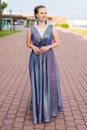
[36,50]
[41,50]
[44,49]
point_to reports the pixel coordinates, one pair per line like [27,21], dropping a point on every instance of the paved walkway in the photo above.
[15,89]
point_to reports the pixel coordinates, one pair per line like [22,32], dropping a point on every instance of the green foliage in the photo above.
[3,5]
[29,22]
[64,25]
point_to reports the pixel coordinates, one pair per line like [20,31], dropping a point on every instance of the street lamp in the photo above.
[10,11]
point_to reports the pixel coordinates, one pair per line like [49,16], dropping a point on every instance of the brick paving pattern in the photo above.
[15,88]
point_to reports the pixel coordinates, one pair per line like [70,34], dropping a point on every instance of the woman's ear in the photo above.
[37,15]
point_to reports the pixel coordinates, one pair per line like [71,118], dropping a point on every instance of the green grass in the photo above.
[4,33]
[81,31]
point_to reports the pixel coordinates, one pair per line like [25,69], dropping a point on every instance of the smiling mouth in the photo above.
[44,18]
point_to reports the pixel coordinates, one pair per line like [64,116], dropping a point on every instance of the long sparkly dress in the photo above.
[46,99]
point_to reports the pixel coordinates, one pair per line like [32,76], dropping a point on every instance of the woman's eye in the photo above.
[43,13]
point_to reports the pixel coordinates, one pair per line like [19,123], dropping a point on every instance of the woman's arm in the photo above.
[29,43]
[28,39]
[55,38]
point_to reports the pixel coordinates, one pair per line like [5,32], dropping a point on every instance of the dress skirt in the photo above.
[46,94]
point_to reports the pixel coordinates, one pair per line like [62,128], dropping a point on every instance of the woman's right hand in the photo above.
[36,49]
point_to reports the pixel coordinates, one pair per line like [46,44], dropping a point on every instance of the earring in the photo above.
[37,22]
[46,22]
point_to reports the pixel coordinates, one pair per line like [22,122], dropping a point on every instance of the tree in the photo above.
[3,5]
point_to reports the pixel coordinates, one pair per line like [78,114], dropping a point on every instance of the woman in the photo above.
[45,85]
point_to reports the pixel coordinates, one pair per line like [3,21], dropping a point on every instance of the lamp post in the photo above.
[11,23]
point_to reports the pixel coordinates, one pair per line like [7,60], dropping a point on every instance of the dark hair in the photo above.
[37,8]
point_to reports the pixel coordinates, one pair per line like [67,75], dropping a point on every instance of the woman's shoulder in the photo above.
[52,26]
[30,28]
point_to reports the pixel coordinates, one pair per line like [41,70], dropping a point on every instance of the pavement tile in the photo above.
[1,124]
[39,126]
[6,127]
[28,122]
[60,126]
[19,119]
[50,128]
[69,123]
[68,118]
[79,122]
[11,116]
[81,127]
[71,128]
[16,128]
[28,128]
[78,117]
[18,124]
[59,121]
[15,90]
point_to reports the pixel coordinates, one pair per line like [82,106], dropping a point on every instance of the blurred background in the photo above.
[66,14]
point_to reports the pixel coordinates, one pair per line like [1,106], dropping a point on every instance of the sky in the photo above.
[72,9]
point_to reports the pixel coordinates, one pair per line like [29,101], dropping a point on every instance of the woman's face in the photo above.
[42,14]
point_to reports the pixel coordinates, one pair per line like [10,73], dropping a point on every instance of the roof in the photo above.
[14,16]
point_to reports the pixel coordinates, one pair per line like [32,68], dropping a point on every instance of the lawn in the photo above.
[4,33]
[81,31]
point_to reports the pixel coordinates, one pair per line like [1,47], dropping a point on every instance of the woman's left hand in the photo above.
[44,49]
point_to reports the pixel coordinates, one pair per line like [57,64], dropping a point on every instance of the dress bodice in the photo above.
[41,31]
[45,39]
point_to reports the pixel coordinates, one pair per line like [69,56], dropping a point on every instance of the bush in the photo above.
[64,25]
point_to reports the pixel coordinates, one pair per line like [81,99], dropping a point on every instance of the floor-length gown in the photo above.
[46,101]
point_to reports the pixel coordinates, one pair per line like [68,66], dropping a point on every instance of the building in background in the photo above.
[8,20]
[77,23]
[19,19]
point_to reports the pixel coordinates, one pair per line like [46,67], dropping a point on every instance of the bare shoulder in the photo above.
[28,31]
[55,34]
[54,29]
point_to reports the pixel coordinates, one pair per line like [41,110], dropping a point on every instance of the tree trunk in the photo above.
[0,17]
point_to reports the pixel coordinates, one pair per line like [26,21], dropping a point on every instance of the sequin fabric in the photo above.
[46,101]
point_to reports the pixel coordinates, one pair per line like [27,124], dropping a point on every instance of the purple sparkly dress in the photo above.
[46,101]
